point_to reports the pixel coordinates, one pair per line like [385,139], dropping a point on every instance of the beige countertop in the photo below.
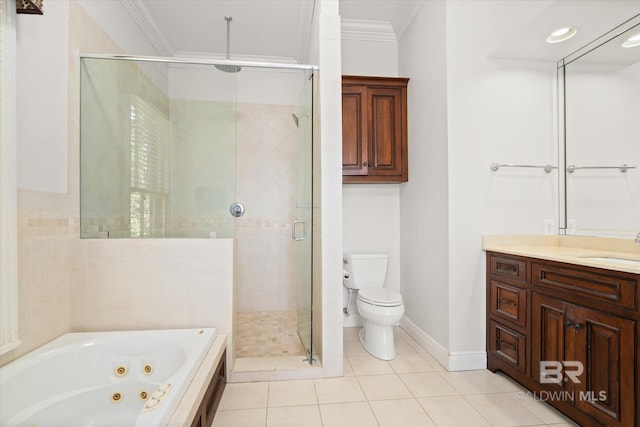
[580,250]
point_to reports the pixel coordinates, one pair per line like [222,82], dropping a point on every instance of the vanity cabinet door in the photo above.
[596,353]
[605,344]
[552,341]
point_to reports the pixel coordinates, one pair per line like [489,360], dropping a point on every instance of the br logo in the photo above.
[552,371]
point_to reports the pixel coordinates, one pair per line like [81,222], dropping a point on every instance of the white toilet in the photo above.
[380,308]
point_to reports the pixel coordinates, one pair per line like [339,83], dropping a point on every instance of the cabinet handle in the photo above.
[369,164]
[364,164]
[506,301]
[509,268]
[577,326]
[568,322]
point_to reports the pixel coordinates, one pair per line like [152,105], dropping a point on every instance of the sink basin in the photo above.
[626,261]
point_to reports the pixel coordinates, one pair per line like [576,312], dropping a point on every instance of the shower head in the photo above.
[228,68]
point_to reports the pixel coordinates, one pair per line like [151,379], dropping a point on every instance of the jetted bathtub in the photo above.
[133,378]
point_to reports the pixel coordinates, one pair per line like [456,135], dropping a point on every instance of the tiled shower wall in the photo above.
[155,284]
[267,183]
[47,253]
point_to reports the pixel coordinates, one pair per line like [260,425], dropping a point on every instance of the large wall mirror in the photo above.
[600,117]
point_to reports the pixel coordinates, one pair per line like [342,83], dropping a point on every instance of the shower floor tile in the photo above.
[268,334]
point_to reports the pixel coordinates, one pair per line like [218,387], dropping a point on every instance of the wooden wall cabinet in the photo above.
[374,129]
[549,311]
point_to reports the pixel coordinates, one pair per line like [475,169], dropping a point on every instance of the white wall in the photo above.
[330,203]
[424,199]
[499,111]
[371,212]
[42,95]
[369,57]
[496,111]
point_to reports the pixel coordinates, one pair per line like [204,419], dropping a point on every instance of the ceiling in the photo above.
[273,29]
[278,30]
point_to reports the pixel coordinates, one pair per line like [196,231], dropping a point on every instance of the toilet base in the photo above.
[378,341]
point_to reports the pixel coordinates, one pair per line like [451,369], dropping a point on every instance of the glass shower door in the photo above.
[302,229]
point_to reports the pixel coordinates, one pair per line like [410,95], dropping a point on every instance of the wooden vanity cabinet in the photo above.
[374,129]
[573,314]
[508,297]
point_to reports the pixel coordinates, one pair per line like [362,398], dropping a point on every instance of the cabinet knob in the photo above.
[577,326]
[568,322]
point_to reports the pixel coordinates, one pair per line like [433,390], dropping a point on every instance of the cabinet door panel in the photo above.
[552,340]
[608,378]
[385,122]
[354,131]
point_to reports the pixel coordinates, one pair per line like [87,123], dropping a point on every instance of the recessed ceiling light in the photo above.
[561,35]
[632,41]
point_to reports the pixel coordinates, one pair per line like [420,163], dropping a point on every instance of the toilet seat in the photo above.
[380,297]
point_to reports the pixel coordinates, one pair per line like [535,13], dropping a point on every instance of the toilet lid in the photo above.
[380,296]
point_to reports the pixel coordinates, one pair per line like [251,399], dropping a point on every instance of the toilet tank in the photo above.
[365,270]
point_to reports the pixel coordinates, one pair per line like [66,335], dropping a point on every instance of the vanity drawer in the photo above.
[509,303]
[513,268]
[508,345]
[607,286]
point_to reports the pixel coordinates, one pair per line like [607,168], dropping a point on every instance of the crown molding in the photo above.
[144,20]
[405,16]
[307,9]
[353,29]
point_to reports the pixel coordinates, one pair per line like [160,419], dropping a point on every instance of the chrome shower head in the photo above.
[228,68]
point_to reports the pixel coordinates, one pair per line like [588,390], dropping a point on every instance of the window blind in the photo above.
[150,157]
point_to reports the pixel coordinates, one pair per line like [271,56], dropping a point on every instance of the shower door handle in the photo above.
[294,231]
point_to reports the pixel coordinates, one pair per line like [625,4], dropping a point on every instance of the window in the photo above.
[150,170]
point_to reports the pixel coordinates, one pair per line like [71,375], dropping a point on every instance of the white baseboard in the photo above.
[453,361]
[467,360]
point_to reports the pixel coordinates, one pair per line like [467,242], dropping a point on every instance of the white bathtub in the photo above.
[109,379]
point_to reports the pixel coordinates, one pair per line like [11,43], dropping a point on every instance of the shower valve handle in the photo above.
[237,210]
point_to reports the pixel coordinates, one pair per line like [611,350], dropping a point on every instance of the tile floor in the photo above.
[411,390]
[265,334]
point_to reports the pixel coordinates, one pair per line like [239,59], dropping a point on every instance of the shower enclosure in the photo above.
[178,148]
